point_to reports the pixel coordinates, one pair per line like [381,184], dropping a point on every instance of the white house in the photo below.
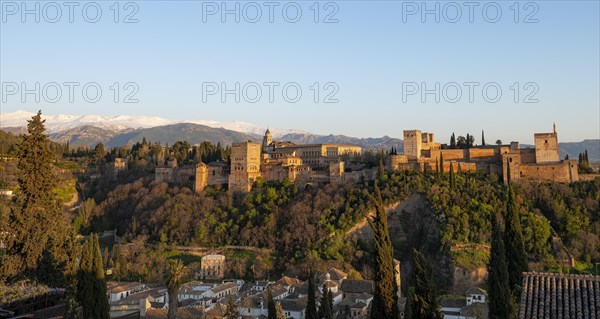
[116,291]
[476,294]
[194,290]
[294,308]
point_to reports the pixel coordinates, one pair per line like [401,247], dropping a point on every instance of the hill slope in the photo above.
[193,133]
[84,136]
[385,142]
[573,149]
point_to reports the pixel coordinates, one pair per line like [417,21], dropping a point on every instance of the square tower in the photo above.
[245,166]
[546,148]
[413,143]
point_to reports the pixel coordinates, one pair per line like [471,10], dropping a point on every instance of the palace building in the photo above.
[541,162]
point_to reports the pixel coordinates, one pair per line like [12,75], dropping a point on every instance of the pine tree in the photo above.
[385,298]
[311,306]
[91,285]
[516,256]
[99,152]
[174,277]
[272,311]
[482,138]
[41,246]
[502,305]
[424,300]
[232,312]
[452,141]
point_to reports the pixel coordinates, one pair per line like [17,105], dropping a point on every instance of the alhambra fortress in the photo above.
[324,163]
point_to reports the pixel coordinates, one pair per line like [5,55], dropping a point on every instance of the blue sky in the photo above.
[370,56]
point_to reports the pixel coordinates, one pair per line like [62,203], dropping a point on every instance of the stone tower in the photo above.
[546,147]
[412,143]
[245,166]
[267,140]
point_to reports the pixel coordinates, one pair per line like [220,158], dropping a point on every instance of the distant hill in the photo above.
[573,149]
[15,130]
[193,133]
[84,136]
[377,143]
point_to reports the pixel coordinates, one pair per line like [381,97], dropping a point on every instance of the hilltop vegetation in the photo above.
[303,226]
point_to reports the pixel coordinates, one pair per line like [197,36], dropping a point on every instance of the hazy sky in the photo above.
[371,59]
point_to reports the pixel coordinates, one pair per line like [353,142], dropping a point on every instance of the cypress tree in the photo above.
[408,304]
[482,138]
[105,257]
[85,284]
[452,141]
[329,312]
[502,305]
[311,306]
[424,303]
[101,308]
[91,285]
[468,140]
[326,309]
[516,256]
[381,170]
[441,162]
[385,299]
[40,246]
[451,177]
[272,312]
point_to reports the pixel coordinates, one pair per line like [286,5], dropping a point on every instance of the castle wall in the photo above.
[394,162]
[218,173]
[452,154]
[163,174]
[528,155]
[565,171]
[477,153]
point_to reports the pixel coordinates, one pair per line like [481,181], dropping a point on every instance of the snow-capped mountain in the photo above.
[63,122]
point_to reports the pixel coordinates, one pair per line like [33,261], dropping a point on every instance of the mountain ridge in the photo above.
[125,130]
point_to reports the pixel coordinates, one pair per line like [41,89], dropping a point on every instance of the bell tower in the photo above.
[267,140]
